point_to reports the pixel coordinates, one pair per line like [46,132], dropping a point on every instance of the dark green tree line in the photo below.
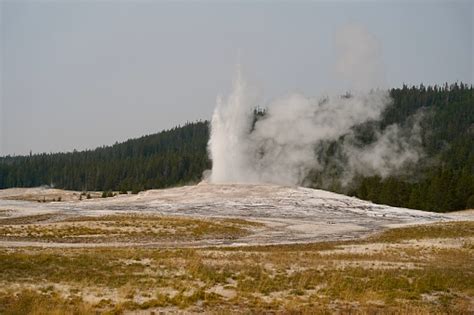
[172,157]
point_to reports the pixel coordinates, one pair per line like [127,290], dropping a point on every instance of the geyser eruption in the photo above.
[288,141]
[230,128]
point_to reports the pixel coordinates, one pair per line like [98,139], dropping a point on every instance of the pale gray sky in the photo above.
[80,74]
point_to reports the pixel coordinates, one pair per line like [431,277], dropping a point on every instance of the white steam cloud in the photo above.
[281,146]
[390,152]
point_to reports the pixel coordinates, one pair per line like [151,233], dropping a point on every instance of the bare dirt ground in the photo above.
[224,249]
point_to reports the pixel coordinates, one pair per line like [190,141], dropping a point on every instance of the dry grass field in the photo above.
[230,249]
[128,228]
[424,269]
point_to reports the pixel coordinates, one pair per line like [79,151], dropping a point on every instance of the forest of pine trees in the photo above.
[442,181]
[172,157]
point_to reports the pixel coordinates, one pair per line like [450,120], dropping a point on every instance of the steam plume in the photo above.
[281,146]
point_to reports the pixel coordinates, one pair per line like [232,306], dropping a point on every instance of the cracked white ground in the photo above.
[289,214]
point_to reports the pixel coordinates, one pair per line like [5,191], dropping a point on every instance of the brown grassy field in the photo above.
[426,269]
[128,228]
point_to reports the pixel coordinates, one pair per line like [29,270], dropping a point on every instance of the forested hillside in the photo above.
[442,181]
[172,157]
